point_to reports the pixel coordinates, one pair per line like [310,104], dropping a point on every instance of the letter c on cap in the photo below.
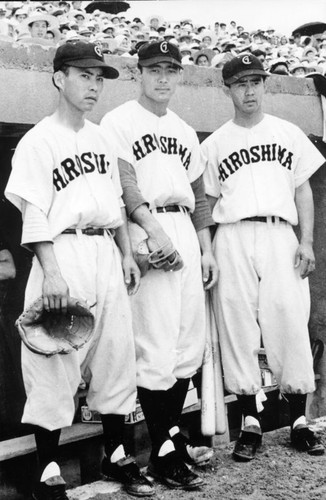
[164,47]
[98,51]
[246,60]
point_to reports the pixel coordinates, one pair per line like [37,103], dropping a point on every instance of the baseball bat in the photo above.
[213,418]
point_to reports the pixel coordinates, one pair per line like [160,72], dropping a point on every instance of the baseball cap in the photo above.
[156,52]
[83,55]
[242,65]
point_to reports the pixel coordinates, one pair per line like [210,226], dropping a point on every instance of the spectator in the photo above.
[37,25]
[299,70]
[203,57]
[279,67]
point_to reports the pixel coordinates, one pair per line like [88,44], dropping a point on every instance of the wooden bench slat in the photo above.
[26,444]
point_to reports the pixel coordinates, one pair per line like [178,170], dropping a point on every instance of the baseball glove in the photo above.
[166,258]
[138,238]
[50,333]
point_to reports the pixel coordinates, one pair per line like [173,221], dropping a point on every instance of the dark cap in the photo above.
[242,65]
[156,52]
[82,55]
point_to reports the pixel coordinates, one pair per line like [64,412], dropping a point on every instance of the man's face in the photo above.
[38,29]
[247,94]
[79,19]
[206,41]
[299,72]
[77,4]
[159,82]
[81,88]
[154,23]
[202,61]
[21,17]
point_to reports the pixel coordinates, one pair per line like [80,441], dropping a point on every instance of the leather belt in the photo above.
[171,208]
[272,218]
[89,231]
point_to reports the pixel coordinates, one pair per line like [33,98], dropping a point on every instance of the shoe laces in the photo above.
[249,438]
[308,435]
[178,468]
[58,493]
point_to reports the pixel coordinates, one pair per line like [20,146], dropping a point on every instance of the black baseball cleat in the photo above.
[53,488]
[127,472]
[304,439]
[192,455]
[173,472]
[247,444]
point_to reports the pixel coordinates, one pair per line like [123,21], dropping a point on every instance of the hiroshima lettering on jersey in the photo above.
[167,145]
[259,153]
[71,168]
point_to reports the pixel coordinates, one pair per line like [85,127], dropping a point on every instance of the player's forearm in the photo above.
[46,256]
[201,217]
[305,207]
[205,242]
[132,196]
[122,236]
[146,220]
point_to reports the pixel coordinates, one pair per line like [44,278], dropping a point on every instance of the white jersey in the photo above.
[255,171]
[71,176]
[164,151]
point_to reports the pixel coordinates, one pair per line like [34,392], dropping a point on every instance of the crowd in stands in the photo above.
[55,22]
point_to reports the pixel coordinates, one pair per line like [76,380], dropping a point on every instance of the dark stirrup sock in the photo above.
[47,444]
[297,404]
[155,407]
[175,400]
[113,432]
[248,406]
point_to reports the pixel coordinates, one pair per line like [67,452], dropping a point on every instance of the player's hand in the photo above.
[305,259]
[209,270]
[131,274]
[159,240]
[55,293]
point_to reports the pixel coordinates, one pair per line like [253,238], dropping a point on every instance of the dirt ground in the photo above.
[277,473]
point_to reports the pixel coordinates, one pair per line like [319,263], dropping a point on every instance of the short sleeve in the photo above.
[31,176]
[118,133]
[211,174]
[310,159]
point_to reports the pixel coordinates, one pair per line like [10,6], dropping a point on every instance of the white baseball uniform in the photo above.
[254,172]
[73,178]
[168,310]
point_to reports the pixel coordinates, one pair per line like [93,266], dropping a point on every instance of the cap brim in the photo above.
[108,71]
[160,59]
[246,72]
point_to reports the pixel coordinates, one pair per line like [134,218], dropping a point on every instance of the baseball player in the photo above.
[66,183]
[257,180]
[161,174]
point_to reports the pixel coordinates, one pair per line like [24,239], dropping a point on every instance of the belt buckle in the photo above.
[91,231]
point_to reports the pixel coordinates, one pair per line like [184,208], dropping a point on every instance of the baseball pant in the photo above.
[91,266]
[261,294]
[169,312]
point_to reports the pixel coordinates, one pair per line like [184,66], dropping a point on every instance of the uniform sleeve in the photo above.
[201,217]
[310,159]
[197,161]
[211,174]
[118,132]
[116,181]
[31,176]
[35,225]
[131,193]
